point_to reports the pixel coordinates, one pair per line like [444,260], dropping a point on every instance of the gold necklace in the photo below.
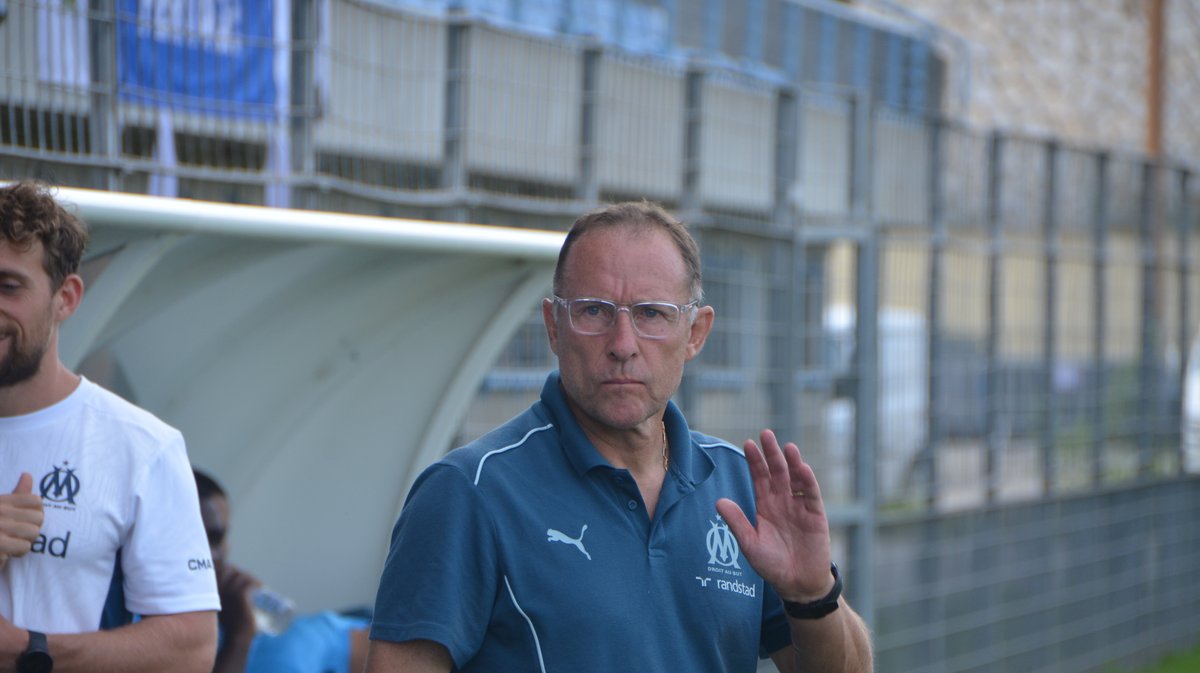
[665,452]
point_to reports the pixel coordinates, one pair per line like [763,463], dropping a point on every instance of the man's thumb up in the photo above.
[21,519]
[24,484]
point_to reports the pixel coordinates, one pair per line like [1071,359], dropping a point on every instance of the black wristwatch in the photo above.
[820,607]
[36,657]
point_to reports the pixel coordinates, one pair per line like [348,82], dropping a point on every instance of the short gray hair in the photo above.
[638,215]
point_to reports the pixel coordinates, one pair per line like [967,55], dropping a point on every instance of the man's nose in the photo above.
[622,339]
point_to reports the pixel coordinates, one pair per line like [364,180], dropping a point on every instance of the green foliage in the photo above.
[1187,661]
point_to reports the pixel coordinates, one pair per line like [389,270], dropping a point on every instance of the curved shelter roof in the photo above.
[315,362]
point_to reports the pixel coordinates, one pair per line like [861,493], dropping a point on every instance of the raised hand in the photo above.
[21,518]
[235,586]
[789,543]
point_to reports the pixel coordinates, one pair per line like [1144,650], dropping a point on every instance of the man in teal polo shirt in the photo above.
[596,531]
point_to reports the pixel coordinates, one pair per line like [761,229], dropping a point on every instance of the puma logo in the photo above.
[559,536]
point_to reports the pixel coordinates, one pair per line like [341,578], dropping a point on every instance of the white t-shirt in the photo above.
[112,477]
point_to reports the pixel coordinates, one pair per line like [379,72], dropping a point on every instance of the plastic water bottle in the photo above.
[273,612]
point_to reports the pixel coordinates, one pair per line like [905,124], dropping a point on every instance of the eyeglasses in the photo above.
[650,319]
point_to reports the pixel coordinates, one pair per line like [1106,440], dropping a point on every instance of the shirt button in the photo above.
[632,504]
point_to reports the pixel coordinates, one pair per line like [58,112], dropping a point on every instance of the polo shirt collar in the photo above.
[694,466]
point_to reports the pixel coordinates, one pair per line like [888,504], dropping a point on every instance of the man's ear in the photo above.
[698,332]
[67,297]
[550,317]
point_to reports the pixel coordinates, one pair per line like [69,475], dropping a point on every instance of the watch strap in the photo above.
[820,607]
[36,657]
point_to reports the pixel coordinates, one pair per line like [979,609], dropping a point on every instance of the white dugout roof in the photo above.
[315,362]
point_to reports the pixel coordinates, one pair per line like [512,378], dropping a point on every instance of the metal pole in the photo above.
[927,464]
[1099,316]
[862,144]
[1183,232]
[866,422]
[104,131]
[866,416]
[1148,378]
[454,165]
[995,261]
[690,204]
[1051,244]
[692,151]
[787,155]
[930,572]
[587,186]
[303,108]
[784,262]
[688,396]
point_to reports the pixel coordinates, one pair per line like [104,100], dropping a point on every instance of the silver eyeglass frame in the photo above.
[689,307]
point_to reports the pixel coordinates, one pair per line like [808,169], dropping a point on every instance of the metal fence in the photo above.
[980,340]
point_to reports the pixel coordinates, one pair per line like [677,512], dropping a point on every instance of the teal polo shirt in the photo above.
[527,551]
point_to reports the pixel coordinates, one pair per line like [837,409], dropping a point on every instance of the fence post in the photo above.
[992,421]
[302,105]
[787,155]
[454,165]
[862,150]
[1183,234]
[1099,316]
[930,573]
[927,465]
[784,264]
[690,204]
[866,421]
[103,129]
[1148,379]
[1051,252]
[587,186]
[692,134]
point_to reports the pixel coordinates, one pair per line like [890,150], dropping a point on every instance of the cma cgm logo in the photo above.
[722,546]
[60,484]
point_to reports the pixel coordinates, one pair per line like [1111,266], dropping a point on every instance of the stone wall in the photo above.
[1074,69]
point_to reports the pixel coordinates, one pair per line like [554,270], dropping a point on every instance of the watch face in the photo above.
[35,662]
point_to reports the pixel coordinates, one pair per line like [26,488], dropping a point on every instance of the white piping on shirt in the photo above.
[536,642]
[489,454]
[724,445]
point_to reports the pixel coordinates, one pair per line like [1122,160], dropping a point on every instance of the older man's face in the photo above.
[619,380]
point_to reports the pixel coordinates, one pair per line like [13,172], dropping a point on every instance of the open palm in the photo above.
[789,543]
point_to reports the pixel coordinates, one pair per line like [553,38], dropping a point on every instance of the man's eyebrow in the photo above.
[13,274]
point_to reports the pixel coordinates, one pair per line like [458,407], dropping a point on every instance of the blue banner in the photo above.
[210,56]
